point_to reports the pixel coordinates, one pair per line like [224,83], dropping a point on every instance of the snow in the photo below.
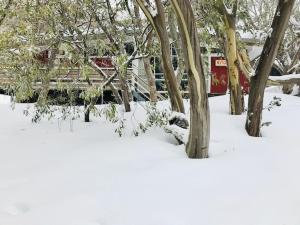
[178,132]
[228,9]
[278,89]
[254,51]
[252,36]
[269,32]
[151,6]
[50,175]
[177,115]
[295,23]
[178,128]
[5,99]
[285,77]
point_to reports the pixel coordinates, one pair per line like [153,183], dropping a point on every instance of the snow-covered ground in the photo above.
[51,174]
[5,99]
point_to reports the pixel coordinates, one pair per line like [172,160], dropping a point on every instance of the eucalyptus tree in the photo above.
[176,41]
[155,13]
[110,18]
[30,53]
[91,25]
[258,19]
[269,53]
[199,133]
[26,37]
[220,18]
[146,49]
[229,18]
[67,26]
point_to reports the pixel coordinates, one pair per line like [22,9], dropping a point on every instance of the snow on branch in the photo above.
[228,10]
[150,5]
[178,127]
[180,118]
[179,133]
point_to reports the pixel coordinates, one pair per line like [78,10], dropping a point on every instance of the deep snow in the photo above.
[51,174]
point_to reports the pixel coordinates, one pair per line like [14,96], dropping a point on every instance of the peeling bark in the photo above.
[236,95]
[198,141]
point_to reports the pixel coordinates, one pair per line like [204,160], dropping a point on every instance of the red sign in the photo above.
[221,62]
[103,62]
[219,76]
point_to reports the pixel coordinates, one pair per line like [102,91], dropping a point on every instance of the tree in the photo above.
[175,37]
[148,46]
[24,43]
[219,18]
[198,142]
[156,16]
[49,27]
[259,80]
[257,16]
[229,17]
[105,16]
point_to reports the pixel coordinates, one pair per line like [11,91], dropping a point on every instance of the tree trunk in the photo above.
[236,95]
[177,43]
[146,61]
[122,74]
[125,91]
[86,112]
[148,70]
[111,32]
[198,142]
[151,80]
[45,79]
[161,28]
[159,24]
[258,82]
[244,63]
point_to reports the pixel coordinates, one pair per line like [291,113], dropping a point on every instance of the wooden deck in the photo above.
[67,77]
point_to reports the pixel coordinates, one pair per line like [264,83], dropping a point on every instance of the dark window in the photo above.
[129,48]
[275,72]
[175,62]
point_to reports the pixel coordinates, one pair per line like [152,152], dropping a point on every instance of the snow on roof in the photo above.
[285,77]
[254,51]
[295,23]
[253,36]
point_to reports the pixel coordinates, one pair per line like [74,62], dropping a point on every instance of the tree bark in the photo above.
[236,95]
[198,142]
[146,60]
[159,24]
[269,52]
[86,112]
[151,80]
[45,79]
[124,90]
[229,20]
[112,35]
[177,43]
